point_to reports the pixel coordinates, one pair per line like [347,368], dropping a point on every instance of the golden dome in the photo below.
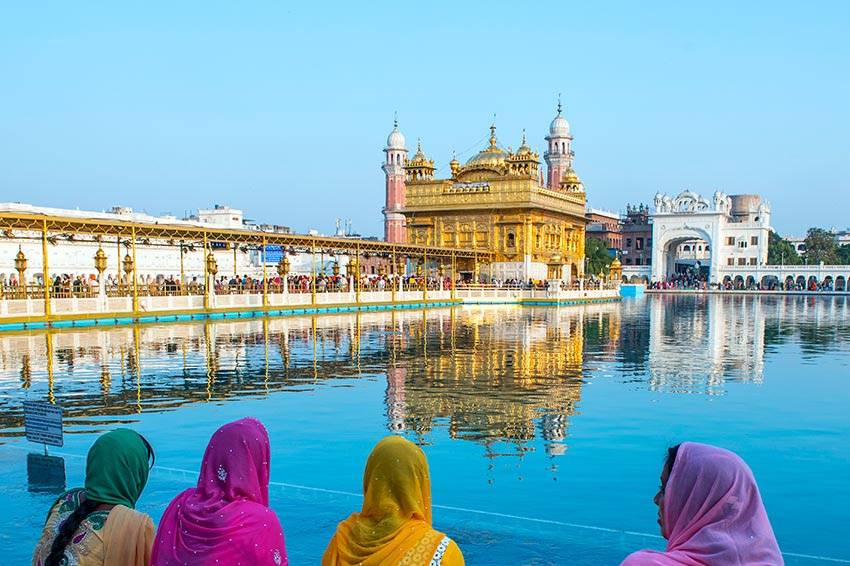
[615,264]
[420,159]
[523,148]
[571,177]
[492,156]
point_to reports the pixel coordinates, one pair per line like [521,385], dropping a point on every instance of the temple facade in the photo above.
[499,200]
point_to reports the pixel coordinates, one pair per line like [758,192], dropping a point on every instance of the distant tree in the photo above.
[780,251]
[820,247]
[844,254]
[598,258]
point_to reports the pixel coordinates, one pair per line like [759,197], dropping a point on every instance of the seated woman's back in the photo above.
[394,526]
[710,511]
[226,519]
[97,525]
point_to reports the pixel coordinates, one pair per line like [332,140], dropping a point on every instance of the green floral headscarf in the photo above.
[117,468]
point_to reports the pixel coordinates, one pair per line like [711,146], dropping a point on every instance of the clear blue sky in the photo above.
[282,109]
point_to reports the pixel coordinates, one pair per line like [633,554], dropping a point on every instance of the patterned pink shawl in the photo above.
[713,514]
[226,519]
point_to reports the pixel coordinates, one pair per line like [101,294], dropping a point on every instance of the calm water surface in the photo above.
[545,428]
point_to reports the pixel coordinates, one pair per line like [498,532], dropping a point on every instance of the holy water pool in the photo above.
[545,428]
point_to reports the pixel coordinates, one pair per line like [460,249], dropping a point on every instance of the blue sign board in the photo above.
[273,254]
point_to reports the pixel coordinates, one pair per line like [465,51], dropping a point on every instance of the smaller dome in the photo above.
[571,177]
[420,155]
[615,263]
[524,149]
[396,139]
[420,159]
[559,128]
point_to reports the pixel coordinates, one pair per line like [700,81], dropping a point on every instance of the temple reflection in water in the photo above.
[499,376]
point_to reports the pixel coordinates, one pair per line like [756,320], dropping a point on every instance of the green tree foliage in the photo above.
[844,254]
[780,251]
[598,258]
[820,247]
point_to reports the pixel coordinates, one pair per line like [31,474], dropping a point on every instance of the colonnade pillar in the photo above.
[265,282]
[45,273]
[135,272]
[313,276]
[425,275]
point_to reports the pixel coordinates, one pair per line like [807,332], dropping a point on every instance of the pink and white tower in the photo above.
[394,223]
[559,155]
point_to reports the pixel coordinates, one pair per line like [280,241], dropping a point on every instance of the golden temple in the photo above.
[498,201]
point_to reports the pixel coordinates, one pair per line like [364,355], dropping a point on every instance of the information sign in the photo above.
[43,423]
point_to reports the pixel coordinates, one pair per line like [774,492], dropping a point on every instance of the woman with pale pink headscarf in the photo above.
[226,519]
[710,512]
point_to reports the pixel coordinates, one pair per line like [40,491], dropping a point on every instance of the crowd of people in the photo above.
[80,286]
[688,280]
[709,510]
[692,281]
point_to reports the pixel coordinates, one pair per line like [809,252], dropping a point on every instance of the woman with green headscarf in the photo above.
[97,525]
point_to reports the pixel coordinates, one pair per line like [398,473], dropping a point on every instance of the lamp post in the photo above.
[212,265]
[128,267]
[400,266]
[212,269]
[100,266]
[349,273]
[21,267]
[283,271]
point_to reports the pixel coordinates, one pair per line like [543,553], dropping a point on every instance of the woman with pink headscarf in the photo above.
[710,512]
[226,519]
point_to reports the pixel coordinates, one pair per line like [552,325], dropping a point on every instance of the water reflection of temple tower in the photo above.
[395,398]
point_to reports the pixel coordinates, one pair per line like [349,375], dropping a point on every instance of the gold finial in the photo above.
[418,145]
[493,132]
[523,137]
[559,104]
[395,118]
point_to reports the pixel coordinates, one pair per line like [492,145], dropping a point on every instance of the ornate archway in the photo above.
[665,243]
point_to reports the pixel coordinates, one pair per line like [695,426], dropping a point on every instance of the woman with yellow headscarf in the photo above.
[394,526]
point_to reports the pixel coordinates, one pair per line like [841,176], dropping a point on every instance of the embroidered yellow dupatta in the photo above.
[394,526]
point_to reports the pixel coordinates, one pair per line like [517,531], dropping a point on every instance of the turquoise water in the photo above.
[545,428]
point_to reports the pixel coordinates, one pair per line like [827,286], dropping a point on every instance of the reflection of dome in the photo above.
[396,139]
[492,156]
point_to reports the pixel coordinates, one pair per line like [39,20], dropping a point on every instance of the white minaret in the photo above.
[394,222]
[559,155]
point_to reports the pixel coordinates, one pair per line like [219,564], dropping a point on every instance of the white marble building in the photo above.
[731,231]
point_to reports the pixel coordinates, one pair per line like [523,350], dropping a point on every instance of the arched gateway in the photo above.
[689,232]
